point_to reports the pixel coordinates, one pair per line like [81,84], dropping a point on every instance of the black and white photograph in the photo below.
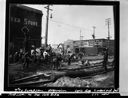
[67,46]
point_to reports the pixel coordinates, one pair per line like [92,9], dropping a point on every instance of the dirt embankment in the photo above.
[102,81]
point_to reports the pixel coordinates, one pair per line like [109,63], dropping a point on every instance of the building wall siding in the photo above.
[20,17]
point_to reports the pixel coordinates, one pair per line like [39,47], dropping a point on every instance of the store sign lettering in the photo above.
[16,20]
[26,21]
[29,22]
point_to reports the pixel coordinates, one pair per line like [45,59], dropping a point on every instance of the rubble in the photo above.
[104,80]
[68,82]
[73,82]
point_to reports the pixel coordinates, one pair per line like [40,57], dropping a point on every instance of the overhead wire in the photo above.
[72,26]
[83,29]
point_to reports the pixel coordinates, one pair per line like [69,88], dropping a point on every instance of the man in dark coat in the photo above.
[69,57]
[105,61]
[26,60]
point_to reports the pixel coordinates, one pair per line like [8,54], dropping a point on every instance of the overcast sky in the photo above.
[69,20]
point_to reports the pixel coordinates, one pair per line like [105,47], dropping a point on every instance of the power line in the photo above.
[73,26]
[70,25]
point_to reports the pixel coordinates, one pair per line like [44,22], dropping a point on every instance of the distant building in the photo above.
[89,47]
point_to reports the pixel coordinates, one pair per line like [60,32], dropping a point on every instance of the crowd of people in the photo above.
[47,56]
[42,55]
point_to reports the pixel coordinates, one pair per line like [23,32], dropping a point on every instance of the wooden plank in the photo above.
[30,83]
[31,77]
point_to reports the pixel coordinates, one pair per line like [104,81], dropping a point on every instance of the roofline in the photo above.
[28,8]
[95,39]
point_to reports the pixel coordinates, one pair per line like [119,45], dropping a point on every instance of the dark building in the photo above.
[23,18]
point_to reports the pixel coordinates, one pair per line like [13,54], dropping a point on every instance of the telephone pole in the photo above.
[94,35]
[108,22]
[81,38]
[47,20]
[94,32]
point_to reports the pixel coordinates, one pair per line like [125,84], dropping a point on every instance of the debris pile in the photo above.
[104,80]
[71,82]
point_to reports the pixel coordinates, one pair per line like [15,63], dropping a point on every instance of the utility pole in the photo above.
[94,35]
[108,22]
[47,19]
[81,38]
